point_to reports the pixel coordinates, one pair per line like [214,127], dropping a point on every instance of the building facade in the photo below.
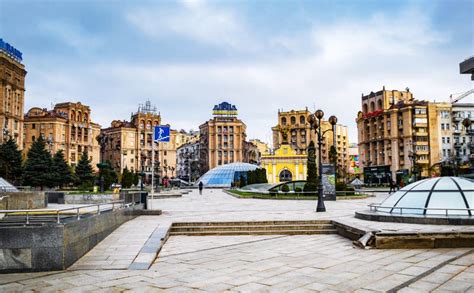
[222,139]
[285,164]
[463,141]
[66,127]
[400,136]
[12,94]
[294,129]
[188,167]
[128,144]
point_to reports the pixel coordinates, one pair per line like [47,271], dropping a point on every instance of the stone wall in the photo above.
[56,247]
[90,198]
[22,200]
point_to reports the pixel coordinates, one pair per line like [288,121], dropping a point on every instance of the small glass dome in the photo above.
[434,196]
[223,176]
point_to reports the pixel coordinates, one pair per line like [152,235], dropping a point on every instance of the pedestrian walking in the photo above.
[392,186]
[201,187]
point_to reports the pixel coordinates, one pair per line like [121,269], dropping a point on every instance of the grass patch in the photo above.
[246,194]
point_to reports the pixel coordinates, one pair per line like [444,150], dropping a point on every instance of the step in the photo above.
[257,232]
[243,223]
[253,227]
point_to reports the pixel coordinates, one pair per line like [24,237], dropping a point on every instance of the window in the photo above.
[443,139]
[447,139]
[442,126]
[283,121]
[33,138]
[165,153]
[302,120]
[293,120]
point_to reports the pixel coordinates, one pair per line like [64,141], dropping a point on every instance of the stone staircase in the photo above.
[253,228]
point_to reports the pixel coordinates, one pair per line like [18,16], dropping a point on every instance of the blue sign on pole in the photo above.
[10,50]
[161,133]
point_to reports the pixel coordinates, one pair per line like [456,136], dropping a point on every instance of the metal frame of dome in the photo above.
[224,175]
[439,201]
[434,196]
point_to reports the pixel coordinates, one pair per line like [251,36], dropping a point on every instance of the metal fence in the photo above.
[26,216]
[422,211]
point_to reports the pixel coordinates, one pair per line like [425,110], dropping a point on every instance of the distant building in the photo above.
[467,67]
[354,166]
[462,141]
[400,136]
[222,139]
[188,167]
[294,129]
[128,144]
[285,164]
[12,93]
[66,127]
[262,147]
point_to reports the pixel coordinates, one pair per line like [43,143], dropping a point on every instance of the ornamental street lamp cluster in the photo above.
[315,122]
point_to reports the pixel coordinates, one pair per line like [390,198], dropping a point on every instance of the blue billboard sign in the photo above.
[10,50]
[161,133]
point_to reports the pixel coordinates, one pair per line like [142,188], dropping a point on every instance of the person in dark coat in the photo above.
[392,186]
[201,187]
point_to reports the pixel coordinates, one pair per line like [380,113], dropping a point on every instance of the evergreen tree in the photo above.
[37,172]
[60,170]
[127,178]
[11,165]
[312,175]
[84,172]
[110,176]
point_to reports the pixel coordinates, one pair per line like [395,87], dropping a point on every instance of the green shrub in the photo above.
[285,188]
[298,189]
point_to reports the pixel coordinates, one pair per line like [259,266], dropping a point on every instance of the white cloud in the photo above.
[338,63]
[194,20]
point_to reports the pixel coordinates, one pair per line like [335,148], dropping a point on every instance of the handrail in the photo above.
[59,212]
[376,207]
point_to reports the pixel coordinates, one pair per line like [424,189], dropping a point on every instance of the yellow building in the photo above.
[67,127]
[284,165]
[12,93]
[262,147]
[294,129]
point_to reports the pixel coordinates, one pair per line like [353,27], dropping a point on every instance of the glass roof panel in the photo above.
[415,200]
[445,183]
[465,184]
[446,200]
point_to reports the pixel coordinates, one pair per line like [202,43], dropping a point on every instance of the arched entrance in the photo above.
[285,176]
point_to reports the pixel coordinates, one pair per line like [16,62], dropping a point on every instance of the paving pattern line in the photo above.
[224,246]
[428,272]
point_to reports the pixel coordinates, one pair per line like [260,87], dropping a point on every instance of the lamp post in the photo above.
[467,123]
[102,140]
[315,123]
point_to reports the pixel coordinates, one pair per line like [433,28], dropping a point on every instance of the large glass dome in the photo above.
[223,176]
[434,196]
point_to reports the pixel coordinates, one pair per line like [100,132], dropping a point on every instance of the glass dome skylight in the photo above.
[223,176]
[434,196]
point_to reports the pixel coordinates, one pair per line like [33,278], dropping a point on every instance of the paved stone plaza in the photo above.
[274,263]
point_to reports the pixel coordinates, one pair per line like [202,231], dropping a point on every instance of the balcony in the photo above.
[418,133]
[457,145]
[422,161]
[420,143]
[422,152]
[457,118]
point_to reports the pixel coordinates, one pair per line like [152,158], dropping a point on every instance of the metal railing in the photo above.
[76,211]
[377,207]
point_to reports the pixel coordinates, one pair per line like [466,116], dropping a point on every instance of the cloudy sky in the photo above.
[186,56]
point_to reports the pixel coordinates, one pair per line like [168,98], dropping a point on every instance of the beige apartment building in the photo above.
[222,139]
[399,136]
[294,129]
[128,144]
[66,127]
[12,95]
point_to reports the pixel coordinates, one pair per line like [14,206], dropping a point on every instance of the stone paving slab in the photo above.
[120,248]
[308,263]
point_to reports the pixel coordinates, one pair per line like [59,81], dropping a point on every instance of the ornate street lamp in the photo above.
[467,123]
[315,123]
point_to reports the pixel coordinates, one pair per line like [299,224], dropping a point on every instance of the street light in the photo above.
[467,123]
[315,123]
